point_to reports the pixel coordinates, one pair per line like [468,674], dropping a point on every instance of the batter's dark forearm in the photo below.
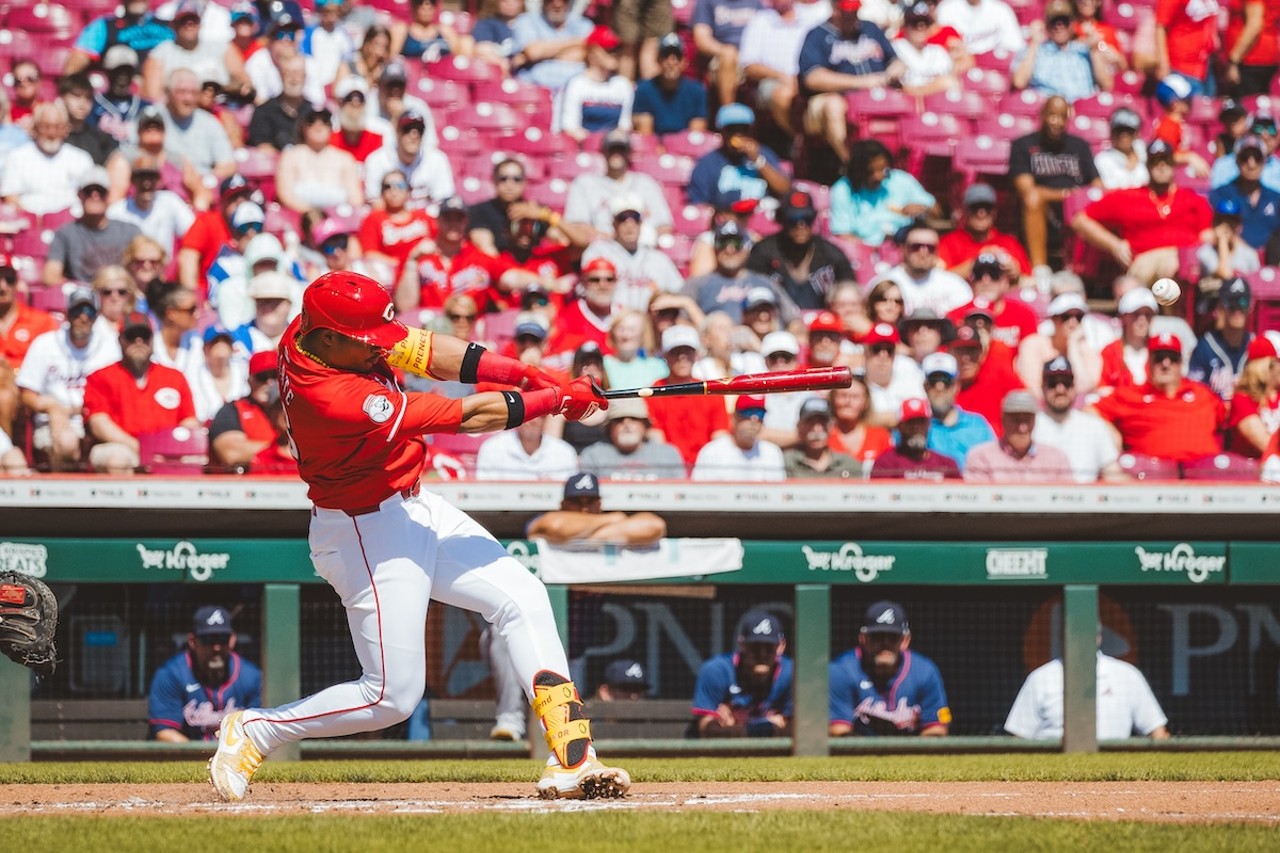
[496,410]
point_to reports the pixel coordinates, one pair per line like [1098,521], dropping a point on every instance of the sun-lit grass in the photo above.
[603,832]
[1044,767]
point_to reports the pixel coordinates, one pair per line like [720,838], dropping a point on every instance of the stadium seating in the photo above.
[175,451]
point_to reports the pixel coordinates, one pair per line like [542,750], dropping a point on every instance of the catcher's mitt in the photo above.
[28,622]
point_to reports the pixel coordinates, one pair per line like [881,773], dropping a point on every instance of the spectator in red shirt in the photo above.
[985,376]
[911,458]
[276,459]
[242,428]
[1254,413]
[131,398]
[1124,361]
[1186,38]
[1143,228]
[1250,46]
[977,233]
[686,423]
[209,233]
[447,264]
[353,135]
[1170,417]
[851,433]
[392,230]
[1174,95]
[588,318]
[19,326]
[1011,319]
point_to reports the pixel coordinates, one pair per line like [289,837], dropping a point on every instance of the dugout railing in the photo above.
[1056,558]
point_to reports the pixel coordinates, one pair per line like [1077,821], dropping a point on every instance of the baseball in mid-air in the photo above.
[1166,291]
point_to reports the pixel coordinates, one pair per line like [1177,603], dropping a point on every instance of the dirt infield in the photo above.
[1179,802]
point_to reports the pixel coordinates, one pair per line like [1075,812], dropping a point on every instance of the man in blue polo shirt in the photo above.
[741,163]
[840,56]
[953,430]
[882,687]
[747,691]
[1259,205]
[670,102]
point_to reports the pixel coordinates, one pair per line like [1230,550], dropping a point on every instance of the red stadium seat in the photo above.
[50,299]
[282,222]
[1103,104]
[488,116]
[1265,284]
[1224,467]
[1011,125]
[990,82]
[175,451]
[538,142]
[1027,102]
[41,18]
[463,70]
[1142,467]
[443,94]
[523,96]
[958,102]
[460,21]
[983,155]
[551,193]
[933,134]
[996,60]
[473,189]
[880,103]
[821,194]
[665,168]
[691,220]
[1096,132]
[463,447]
[690,143]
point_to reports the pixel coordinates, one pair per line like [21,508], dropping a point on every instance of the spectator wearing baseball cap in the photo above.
[131,26]
[1016,457]
[781,352]
[579,518]
[985,374]
[1091,446]
[625,680]
[741,161]
[742,455]
[159,213]
[1011,320]
[883,687]
[686,423]
[747,691]
[1258,203]
[598,200]
[1221,354]
[924,333]
[801,263]
[178,709]
[893,378]
[921,281]
[953,431]
[243,428]
[1169,417]
[560,35]
[1261,126]
[726,287]
[597,98]
[1143,228]
[977,233]
[426,168]
[525,453]
[812,457]
[670,102]
[83,246]
[910,458]
[1254,410]
[1067,338]
[580,320]
[837,58]
[643,270]
[1124,164]
[210,231]
[1055,62]
[1124,361]
[926,51]
[626,453]
[1226,254]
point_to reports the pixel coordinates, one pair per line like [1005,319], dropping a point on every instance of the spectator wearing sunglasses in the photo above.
[265,67]
[727,287]
[160,214]
[922,282]
[1009,320]
[1226,168]
[642,270]
[191,49]
[977,233]
[1055,62]
[392,229]
[1257,206]
[1066,340]
[427,169]
[26,92]
[335,238]
[1091,447]
[591,196]
[800,263]
[82,246]
[353,135]
[229,267]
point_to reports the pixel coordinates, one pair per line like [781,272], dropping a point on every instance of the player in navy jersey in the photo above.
[748,691]
[883,688]
[196,688]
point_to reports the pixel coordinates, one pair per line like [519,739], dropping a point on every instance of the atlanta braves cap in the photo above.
[760,626]
[625,673]
[885,617]
[211,621]
[582,485]
[353,305]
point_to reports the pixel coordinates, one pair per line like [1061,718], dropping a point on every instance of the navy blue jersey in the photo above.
[913,700]
[179,701]
[672,112]
[715,175]
[718,685]
[823,47]
[1218,364]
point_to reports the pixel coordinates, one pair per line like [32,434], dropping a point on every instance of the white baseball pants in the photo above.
[386,566]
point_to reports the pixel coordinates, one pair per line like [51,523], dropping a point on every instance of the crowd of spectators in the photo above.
[652,193]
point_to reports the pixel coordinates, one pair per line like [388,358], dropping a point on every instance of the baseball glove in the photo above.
[28,622]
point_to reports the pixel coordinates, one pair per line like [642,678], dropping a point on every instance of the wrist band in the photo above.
[470,364]
[515,408]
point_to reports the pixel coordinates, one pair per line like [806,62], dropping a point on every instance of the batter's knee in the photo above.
[398,699]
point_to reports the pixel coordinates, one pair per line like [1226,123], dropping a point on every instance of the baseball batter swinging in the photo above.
[387,548]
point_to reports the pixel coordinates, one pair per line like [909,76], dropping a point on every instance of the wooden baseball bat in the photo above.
[751,383]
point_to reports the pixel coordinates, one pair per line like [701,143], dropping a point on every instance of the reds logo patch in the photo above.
[378,408]
[389,313]
[168,398]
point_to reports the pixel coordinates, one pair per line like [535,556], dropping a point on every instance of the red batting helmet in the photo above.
[353,305]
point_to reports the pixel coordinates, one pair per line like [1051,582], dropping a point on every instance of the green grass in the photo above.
[1045,767]
[769,832]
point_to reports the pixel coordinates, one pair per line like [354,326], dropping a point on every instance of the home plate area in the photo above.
[1195,802]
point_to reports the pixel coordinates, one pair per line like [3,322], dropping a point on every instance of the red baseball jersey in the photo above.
[357,436]
[1150,223]
[162,402]
[1181,428]
[28,324]
[395,236]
